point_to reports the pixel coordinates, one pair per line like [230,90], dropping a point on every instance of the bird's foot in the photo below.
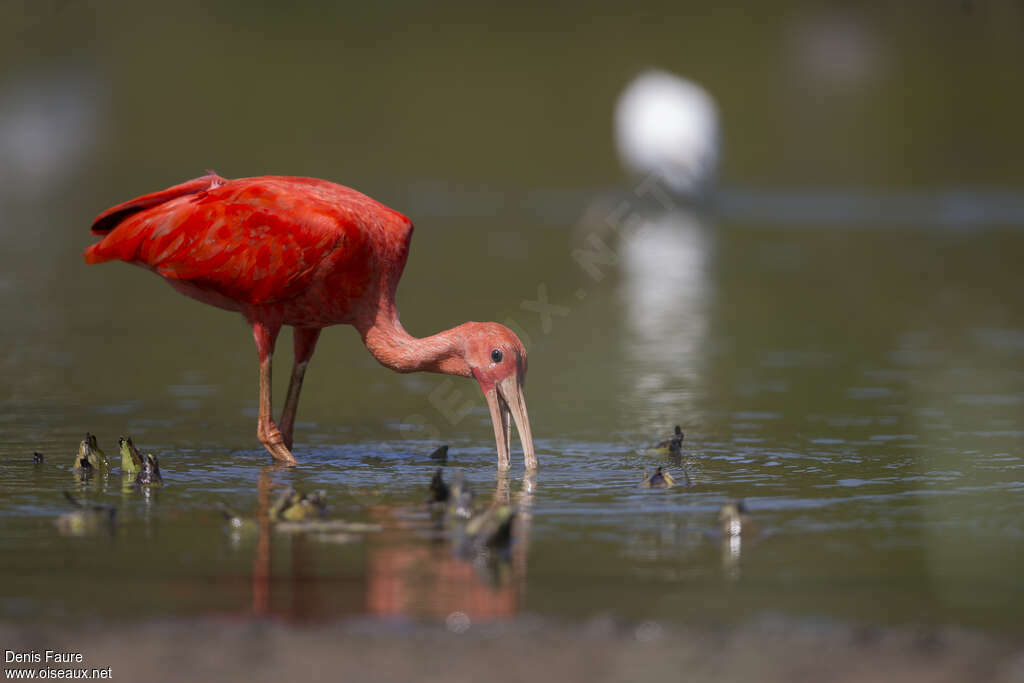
[281,453]
[274,442]
[286,438]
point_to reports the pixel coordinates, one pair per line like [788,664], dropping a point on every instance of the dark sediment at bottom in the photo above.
[596,651]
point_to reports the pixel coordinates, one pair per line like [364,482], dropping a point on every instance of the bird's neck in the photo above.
[395,348]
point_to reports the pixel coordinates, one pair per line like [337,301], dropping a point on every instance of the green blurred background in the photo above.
[470,115]
[878,95]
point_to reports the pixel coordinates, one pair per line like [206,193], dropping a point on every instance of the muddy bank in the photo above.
[599,650]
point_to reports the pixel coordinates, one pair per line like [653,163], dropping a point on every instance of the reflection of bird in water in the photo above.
[406,577]
[733,519]
[294,506]
[735,525]
[87,518]
[667,126]
[439,491]
[666,292]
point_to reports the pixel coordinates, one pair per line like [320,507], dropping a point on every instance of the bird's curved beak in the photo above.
[505,398]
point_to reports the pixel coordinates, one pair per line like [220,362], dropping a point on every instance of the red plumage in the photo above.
[314,252]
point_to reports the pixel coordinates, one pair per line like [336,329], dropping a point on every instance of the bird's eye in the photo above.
[496,355]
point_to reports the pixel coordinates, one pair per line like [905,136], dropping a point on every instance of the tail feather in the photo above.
[112,217]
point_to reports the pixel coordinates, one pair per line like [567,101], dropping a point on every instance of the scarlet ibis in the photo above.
[307,253]
[667,126]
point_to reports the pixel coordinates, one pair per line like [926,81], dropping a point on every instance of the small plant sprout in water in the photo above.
[90,458]
[149,475]
[83,468]
[440,454]
[673,444]
[131,459]
[662,479]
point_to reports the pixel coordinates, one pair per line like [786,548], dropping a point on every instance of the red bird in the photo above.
[307,253]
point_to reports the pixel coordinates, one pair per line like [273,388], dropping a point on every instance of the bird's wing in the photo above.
[255,241]
[112,217]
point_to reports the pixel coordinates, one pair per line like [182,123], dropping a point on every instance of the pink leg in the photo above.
[265,333]
[305,342]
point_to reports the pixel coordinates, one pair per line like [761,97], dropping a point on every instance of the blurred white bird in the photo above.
[667,126]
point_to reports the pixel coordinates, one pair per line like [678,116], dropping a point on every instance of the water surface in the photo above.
[861,390]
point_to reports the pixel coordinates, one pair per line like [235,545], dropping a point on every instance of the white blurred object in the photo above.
[667,126]
[49,123]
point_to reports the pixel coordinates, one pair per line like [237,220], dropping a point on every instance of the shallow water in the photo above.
[862,390]
[840,333]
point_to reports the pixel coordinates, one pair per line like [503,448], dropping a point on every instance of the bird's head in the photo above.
[497,359]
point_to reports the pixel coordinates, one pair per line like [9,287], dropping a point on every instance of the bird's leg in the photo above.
[265,334]
[305,342]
